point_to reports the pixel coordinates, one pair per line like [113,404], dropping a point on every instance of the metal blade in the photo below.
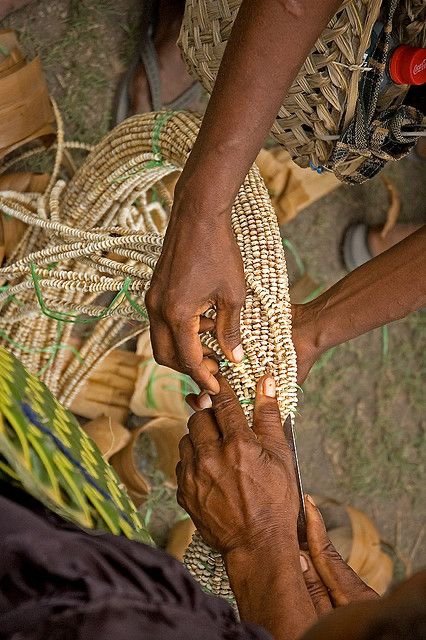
[301,520]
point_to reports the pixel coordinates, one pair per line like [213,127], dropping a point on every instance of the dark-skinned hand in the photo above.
[200,267]
[330,580]
[224,464]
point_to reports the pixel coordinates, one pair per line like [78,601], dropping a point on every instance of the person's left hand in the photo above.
[329,579]
[224,464]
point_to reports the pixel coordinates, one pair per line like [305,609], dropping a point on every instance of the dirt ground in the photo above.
[361,429]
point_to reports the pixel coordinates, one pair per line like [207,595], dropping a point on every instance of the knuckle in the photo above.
[193,421]
[188,365]
[235,302]
[234,297]
[151,300]
[184,443]
[206,453]
[326,550]
[269,414]
[196,423]
[231,333]
[225,403]
[238,444]
[174,312]
[315,589]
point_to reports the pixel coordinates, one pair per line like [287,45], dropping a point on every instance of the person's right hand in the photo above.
[329,579]
[238,484]
[200,267]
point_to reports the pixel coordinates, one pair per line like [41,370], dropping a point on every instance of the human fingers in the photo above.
[228,329]
[315,586]
[267,423]
[343,584]
[162,344]
[175,341]
[203,399]
[189,355]
[203,429]
[206,324]
[229,415]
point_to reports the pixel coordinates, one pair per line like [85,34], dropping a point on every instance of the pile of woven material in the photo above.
[87,256]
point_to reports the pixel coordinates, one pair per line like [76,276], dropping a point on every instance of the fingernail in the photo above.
[303,563]
[310,499]
[204,401]
[269,387]
[238,353]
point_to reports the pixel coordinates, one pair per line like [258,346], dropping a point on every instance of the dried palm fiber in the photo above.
[324,99]
[60,262]
[44,451]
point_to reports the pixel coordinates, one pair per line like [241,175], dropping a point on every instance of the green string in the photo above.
[314,294]
[59,332]
[296,255]
[64,316]
[187,385]
[135,305]
[55,347]
[160,121]
[5,287]
[158,161]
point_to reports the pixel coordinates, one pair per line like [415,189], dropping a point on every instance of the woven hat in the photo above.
[323,99]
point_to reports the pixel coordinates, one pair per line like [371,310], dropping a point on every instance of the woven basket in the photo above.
[322,100]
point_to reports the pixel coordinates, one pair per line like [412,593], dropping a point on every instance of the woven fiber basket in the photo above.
[322,100]
[78,234]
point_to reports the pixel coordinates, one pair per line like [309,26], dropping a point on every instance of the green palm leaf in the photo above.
[43,449]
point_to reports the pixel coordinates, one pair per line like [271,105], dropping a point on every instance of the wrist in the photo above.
[269,554]
[212,177]
[312,333]
[199,203]
[255,574]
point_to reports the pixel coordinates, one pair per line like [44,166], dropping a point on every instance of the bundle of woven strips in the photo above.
[100,234]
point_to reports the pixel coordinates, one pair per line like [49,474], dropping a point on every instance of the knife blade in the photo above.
[301,520]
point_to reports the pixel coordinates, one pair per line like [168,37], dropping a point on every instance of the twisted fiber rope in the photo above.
[74,224]
[321,100]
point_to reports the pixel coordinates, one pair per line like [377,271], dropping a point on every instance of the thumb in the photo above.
[267,423]
[315,586]
[228,331]
[343,584]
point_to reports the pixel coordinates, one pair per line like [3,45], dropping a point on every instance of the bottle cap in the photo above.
[408,65]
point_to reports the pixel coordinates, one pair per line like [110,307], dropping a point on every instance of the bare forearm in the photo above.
[269,42]
[385,289]
[268,592]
